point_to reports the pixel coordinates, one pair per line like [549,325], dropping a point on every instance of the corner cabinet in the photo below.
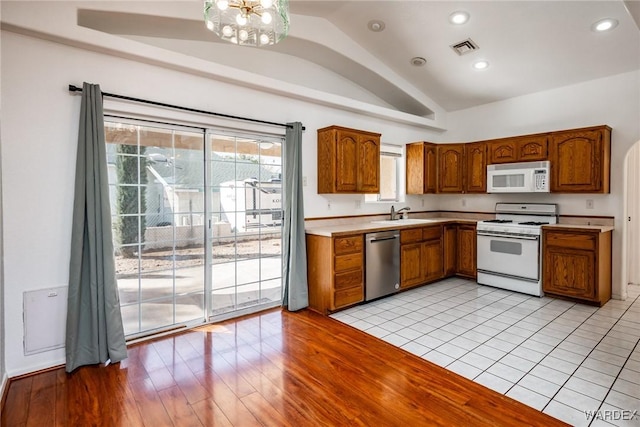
[421,168]
[580,160]
[577,264]
[446,168]
[335,271]
[348,161]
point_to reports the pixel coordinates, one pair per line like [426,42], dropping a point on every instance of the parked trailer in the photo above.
[251,204]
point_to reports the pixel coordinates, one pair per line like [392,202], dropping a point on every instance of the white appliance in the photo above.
[509,249]
[525,177]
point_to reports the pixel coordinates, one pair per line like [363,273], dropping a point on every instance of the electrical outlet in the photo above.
[328,205]
[422,202]
[358,204]
[464,202]
[304,181]
[589,203]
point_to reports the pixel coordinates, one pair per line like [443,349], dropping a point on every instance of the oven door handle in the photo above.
[508,236]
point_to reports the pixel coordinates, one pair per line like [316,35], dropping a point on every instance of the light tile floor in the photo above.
[578,363]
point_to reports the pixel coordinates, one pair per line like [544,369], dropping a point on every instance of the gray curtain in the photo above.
[294,253]
[94,323]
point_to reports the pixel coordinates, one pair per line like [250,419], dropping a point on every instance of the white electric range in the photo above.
[509,247]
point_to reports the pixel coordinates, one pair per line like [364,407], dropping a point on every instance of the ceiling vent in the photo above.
[464,47]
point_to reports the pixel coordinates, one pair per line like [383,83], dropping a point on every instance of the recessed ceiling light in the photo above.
[605,25]
[376,25]
[481,65]
[418,61]
[459,17]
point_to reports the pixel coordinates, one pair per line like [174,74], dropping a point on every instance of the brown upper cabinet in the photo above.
[532,148]
[502,151]
[446,168]
[451,168]
[518,149]
[476,168]
[580,160]
[348,161]
[421,170]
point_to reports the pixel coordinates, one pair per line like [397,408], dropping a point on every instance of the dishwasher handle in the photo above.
[382,236]
[375,240]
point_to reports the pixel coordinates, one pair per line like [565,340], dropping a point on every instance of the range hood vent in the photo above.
[464,47]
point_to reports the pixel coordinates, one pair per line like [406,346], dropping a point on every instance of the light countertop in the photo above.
[600,228]
[373,226]
[381,225]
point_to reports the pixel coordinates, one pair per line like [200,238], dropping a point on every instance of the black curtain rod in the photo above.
[73,88]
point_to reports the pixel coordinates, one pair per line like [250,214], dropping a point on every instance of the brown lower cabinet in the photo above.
[420,256]
[466,251]
[450,248]
[336,265]
[335,271]
[431,253]
[577,264]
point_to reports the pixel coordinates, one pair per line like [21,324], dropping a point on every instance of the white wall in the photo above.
[39,134]
[614,101]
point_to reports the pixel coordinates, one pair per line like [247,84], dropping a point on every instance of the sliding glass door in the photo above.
[246,198]
[197,223]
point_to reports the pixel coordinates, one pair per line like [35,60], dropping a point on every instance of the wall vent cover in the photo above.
[464,47]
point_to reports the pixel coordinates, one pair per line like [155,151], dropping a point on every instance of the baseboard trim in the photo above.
[39,371]
[4,388]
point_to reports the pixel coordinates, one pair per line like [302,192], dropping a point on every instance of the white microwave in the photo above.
[527,177]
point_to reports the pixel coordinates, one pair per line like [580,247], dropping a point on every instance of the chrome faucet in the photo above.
[394,213]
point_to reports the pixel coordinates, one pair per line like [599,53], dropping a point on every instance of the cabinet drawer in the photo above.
[348,280]
[348,244]
[348,262]
[411,235]
[348,296]
[431,233]
[585,241]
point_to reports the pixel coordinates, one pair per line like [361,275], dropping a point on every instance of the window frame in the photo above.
[396,152]
[209,314]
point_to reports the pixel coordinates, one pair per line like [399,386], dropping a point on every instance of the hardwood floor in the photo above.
[275,369]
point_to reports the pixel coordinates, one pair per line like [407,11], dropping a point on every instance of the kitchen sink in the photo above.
[408,221]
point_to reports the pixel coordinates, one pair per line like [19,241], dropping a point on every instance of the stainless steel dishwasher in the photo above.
[382,255]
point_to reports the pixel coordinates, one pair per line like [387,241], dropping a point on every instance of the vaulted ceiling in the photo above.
[530,46]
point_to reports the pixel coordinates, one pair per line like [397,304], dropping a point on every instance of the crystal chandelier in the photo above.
[248,22]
